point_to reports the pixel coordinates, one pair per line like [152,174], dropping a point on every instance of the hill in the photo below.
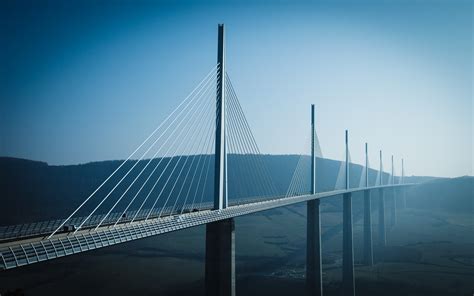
[35,191]
[452,195]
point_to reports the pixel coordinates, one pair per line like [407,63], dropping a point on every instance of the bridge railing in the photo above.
[27,251]
[18,231]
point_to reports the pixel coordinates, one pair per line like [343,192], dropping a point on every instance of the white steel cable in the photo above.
[166,155]
[252,138]
[149,161]
[296,173]
[179,158]
[201,141]
[207,173]
[237,128]
[128,158]
[234,146]
[116,185]
[184,165]
[244,131]
[169,177]
[136,178]
[205,155]
[209,158]
[208,136]
[163,157]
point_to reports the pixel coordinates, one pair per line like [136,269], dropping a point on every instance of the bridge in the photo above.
[185,173]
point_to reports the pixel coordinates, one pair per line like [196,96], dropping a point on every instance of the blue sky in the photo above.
[86,81]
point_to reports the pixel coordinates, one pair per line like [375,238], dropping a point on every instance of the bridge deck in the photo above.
[28,250]
[43,228]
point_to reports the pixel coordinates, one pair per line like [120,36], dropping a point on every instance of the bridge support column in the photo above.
[220,258]
[348,284]
[404,197]
[368,250]
[394,207]
[314,279]
[382,238]
[403,190]
[394,198]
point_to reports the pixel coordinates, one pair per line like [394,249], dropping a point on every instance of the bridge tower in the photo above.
[220,173]
[314,279]
[348,284]
[220,235]
[368,249]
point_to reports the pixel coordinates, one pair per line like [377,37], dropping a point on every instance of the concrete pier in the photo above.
[220,258]
[348,283]
[381,238]
[314,278]
[403,190]
[404,198]
[394,197]
[394,206]
[368,248]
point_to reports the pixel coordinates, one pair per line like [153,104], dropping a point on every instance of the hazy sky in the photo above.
[86,82]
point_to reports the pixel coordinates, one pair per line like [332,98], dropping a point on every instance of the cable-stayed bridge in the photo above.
[202,166]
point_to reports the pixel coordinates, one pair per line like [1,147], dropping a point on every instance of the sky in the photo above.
[87,81]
